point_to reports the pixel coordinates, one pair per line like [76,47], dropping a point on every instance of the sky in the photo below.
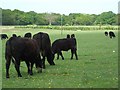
[62,6]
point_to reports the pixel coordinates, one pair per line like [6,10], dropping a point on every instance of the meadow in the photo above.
[96,67]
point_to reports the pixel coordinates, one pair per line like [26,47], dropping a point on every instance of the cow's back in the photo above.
[22,48]
[43,41]
[63,44]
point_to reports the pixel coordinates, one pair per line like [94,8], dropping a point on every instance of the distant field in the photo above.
[97,66]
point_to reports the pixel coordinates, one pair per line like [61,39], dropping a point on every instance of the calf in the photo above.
[44,44]
[65,44]
[68,35]
[3,36]
[18,49]
[72,52]
[111,34]
[28,35]
[14,35]
[106,33]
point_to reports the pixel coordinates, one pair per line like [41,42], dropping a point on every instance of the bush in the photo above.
[70,27]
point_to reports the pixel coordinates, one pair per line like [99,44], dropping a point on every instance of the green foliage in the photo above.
[17,17]
[8,18]
[106,18]
[67,27]
[97,66]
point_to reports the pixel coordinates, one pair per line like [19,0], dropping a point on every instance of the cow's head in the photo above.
[50,58]
[38,64]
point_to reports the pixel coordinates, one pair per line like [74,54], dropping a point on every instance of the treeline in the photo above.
[17,17]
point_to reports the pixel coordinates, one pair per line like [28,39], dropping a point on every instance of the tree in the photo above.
[50,17]
[8,17]
[106,18]
[40,20]
[17,17]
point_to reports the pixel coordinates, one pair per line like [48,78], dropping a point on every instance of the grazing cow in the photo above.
[28,35]
[68,35]
[45,47]
[72,52]
[3,36]
[18,49]
[111,34]
[72,35]
[19,36]
[106,33]
[14,35]
[64,44]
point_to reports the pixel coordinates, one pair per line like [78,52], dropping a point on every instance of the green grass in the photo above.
[97,66]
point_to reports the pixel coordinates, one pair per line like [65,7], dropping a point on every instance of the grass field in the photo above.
[97,66]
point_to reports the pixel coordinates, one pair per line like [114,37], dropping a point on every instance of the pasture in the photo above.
[96,67]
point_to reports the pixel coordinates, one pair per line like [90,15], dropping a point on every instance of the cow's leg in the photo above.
[17,67]
[8,61]
[43,62]
[57,56]
[39,64]
[72,54]
[76,55]
[74,51]
[28,66]
[53,63]
[31,72]
[61,55]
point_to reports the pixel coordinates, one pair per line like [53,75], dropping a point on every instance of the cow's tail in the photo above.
[8,55]
[8,52]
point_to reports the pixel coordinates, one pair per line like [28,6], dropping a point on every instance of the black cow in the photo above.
[28,35]
[72,35]
[18,49]
[68,35]
[106,33]
[3,36]
[65,44]
[72,52]
[111,34]
[14,35]
[19,36]
[45,47]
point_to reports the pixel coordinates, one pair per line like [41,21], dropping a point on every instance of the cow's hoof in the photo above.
[53,64]
[7,77]
[31,73]
[20,75]
[43,67]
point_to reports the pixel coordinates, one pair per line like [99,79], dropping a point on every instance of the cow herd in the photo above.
[34,50]
[111,34]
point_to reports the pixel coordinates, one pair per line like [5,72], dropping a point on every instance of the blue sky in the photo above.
[62,6]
